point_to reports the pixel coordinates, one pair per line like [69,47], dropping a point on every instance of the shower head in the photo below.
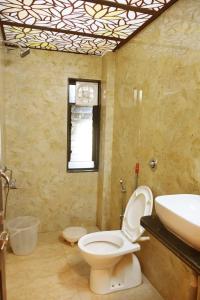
[23,51]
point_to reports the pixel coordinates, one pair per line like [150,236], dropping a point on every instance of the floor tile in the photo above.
[57,271]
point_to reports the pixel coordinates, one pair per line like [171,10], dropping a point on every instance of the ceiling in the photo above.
[87,26]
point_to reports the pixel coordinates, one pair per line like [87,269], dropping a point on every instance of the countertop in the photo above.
[186,253]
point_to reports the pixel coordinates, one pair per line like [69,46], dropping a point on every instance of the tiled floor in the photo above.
[56,271]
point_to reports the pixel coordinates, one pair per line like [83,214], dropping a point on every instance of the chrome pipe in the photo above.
[5,177]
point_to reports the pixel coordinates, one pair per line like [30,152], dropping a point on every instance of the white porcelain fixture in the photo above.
[73,234]
[110,253]
[181,215]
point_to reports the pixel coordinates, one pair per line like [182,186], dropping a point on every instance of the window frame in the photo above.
[96,128]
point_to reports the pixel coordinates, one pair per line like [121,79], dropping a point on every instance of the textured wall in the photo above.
[163,61]
[173,279]
[36,139]
[2,102]
[106,133]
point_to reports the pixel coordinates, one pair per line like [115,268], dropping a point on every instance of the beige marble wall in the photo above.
[36,125]
[198,290]
[164,62]
[2,103]
[106,133]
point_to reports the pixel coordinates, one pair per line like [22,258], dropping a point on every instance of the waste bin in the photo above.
[23,233]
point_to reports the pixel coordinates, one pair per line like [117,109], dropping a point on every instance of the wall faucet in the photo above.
[122,184]
[153,164]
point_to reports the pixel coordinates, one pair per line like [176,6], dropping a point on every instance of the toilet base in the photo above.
[125,274]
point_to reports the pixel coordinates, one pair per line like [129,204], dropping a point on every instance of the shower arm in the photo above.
[23,51]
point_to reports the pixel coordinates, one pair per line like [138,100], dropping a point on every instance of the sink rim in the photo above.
[176,222]
[171,208]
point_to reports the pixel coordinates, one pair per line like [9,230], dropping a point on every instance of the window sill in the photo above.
[81,170]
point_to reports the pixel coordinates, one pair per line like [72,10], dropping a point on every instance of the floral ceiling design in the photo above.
[86,26]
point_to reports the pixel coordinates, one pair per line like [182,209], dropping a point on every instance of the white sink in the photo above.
[180,214]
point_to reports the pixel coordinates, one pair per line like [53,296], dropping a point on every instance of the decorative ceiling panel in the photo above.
[149,4]
[57,41]
[77,16]
[90,27]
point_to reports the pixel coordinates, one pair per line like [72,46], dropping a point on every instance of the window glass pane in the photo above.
[72,93]
[81,137]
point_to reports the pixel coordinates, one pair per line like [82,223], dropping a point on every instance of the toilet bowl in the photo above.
[114,267]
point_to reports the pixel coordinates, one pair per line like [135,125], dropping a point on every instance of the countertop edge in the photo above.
[187,254]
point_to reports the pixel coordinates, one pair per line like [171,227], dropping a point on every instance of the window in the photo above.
[83,125]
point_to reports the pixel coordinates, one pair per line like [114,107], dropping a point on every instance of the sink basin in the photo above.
[180,214]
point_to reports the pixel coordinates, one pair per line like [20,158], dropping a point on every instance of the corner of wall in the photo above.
[107,117]
[2,104]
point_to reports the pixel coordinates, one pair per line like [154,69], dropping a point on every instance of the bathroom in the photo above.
[149,110]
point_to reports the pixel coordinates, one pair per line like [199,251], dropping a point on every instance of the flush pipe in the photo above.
[123,190]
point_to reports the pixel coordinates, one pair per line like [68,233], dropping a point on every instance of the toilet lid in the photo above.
[140,204]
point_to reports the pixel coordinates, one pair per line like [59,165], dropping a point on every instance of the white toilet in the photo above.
[114,267]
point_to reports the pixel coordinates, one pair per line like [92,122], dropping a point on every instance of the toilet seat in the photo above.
[114,266]
[123,241]
[140,204]
[107,243]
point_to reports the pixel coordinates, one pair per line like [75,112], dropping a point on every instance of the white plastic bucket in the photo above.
[23,234]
